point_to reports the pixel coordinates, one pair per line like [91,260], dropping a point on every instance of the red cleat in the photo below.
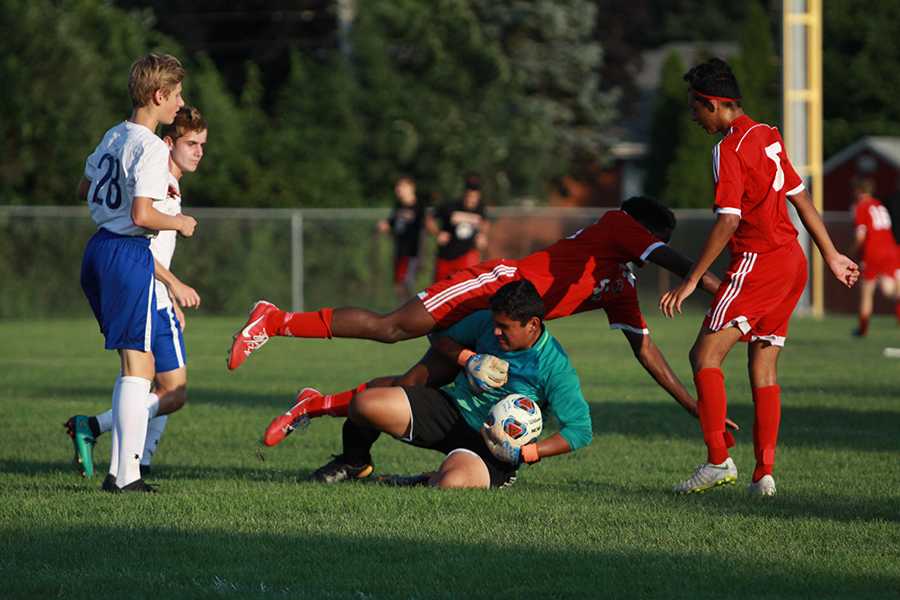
[284,425]
[252,336]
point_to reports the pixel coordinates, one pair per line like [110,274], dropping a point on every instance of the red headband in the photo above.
[719,98]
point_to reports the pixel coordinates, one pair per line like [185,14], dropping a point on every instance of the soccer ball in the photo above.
[516,419]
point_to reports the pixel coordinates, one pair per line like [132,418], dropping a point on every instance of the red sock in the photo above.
[334,405]
[301,324]
[711,401]
[767,406]
[863,325]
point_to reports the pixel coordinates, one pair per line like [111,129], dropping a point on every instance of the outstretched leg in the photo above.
[266,320]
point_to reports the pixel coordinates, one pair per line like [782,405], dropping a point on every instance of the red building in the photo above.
[875,157]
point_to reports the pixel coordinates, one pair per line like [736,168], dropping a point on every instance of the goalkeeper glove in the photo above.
[486,371]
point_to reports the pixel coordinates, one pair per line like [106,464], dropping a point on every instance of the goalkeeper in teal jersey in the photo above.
[517,354]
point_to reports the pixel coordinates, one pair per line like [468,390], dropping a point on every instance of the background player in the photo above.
[449,419]
[186,138]
[405,224]
[767,274]
[877,249]
[127,171]
[461,230]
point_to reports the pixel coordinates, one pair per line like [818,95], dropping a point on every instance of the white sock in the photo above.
[114,447]
[105,419]
[131,427]
[155,429]
[152,405]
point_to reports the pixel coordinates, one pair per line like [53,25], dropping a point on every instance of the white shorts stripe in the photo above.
[148,323]
[734,289]
[650,250]
[630,328]
[175,345]
[469,284]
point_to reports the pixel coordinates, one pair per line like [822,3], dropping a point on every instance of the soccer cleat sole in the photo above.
[727,480]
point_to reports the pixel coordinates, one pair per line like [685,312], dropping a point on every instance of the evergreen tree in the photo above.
[757,66]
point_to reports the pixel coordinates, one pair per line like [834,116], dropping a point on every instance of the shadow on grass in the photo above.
[800,426]
[155,562]
[160,474]
[735,501]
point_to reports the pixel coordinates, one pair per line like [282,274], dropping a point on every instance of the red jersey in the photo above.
[753,178]
[874,220]
[572,270]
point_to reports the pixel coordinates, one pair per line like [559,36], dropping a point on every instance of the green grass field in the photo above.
[232,521]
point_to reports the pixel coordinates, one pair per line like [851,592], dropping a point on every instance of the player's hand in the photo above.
[671,301]
[846,271]
[443,238]
[486,371]
[187,225]
[179,314]
[384,227]
[184,295]
[501,450]
[729,424]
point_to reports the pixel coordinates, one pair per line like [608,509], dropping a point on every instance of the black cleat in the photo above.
[146,470]
[138,485]
[337,470]
[109,484]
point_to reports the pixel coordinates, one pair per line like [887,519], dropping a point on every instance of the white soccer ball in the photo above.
[517,419]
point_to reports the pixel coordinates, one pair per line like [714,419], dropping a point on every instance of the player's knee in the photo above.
[361,408]
[179,398]
[453,479]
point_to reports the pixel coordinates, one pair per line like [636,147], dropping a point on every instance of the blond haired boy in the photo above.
[127,171]
[186,137]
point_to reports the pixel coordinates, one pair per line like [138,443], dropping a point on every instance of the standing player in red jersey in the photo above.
[878,253]
[765,279]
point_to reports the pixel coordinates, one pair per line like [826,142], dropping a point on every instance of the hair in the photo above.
[473,182]
[650,213]
[153,72]
[714,78]
[519,300]
[863,185]
[187,120]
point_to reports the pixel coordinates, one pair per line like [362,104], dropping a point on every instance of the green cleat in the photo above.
[83,440]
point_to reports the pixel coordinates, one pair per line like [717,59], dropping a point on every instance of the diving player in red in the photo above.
[878,252]
[585,271]
[754,179]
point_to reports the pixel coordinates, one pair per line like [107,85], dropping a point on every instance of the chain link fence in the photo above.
[303,258]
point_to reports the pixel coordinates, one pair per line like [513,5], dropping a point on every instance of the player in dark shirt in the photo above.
[461,232]
[405,225]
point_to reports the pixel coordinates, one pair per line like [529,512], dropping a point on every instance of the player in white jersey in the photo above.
[185,137]
[122,178]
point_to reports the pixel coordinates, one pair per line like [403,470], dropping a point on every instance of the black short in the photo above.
[438,425]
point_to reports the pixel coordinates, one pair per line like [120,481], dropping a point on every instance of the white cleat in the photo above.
[708,476]
[764,487]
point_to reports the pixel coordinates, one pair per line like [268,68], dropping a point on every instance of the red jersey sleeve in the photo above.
[729,180]
[861,216]
[633,239]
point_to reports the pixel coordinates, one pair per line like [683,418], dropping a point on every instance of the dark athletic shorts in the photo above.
[438,425]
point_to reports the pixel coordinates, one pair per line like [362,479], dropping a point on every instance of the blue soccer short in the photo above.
[168,341]
[117,278]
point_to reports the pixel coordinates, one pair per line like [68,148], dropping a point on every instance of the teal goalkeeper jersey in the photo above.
[542,373]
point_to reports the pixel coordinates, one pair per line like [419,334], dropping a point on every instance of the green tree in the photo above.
[757,66]
[861,80]
[664,138]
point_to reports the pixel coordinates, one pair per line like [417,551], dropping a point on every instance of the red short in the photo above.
[759,294]
[466,291]
[405,269]
[445,267]
[470,290]
[882,264]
